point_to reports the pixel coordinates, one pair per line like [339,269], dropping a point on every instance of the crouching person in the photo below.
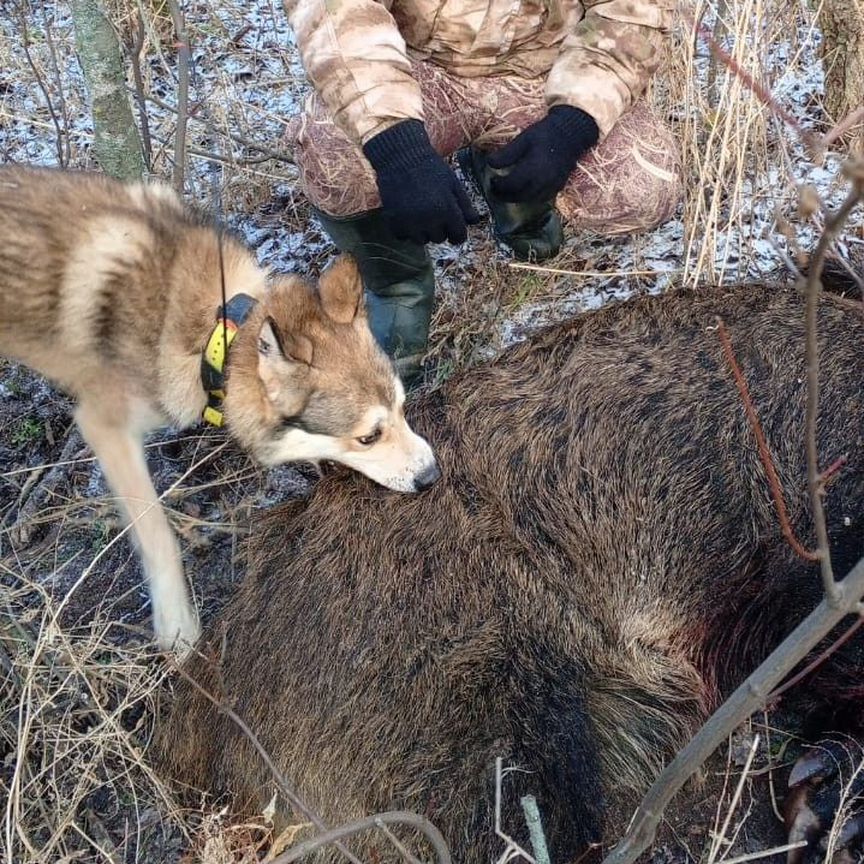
[540,99]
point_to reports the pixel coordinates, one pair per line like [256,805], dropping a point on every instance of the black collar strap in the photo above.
[214,358]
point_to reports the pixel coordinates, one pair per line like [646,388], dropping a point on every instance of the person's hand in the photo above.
[420,196]
[542,157]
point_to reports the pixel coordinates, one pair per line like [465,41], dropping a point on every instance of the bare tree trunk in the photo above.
[117,144]
[842,24]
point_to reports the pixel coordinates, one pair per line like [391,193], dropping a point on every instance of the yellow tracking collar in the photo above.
[214,358]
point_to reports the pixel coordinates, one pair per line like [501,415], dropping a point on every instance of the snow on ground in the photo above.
[247,80]
[247,71]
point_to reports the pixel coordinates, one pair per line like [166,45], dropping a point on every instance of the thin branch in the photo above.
[140,99]
[512,849]
[765,853]
[40,81]
[270,152]
[747,698]
[227,160]
[758,89]
[397,844]
[392,817]
[535,829]
[835,646]
[720,836]
[841,128]
[210,156]
[832,470]
[833,224]
[182,93]
[783,226]
[847,268]
[58,80]
[762,444]
[278,776]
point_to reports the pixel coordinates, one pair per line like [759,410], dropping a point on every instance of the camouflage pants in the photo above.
[629,182]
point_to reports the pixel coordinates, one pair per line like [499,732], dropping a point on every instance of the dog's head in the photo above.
[329,390]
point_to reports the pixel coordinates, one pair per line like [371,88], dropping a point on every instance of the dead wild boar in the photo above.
[601,562]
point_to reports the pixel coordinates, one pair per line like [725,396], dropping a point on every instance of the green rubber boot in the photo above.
[532,230]
[399,283]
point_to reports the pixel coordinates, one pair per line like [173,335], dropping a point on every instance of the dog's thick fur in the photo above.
[111,291]
[600,563]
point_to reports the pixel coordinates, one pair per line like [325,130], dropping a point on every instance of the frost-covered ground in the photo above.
[247,82]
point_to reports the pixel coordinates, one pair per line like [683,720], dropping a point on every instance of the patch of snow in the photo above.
[248,72]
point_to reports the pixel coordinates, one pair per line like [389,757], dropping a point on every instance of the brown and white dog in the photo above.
[113,292]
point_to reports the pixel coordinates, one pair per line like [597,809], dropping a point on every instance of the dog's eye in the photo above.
[369,440]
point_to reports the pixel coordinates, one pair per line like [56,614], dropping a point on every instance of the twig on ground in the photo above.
[777,850]
[393,817]
[106,845]
[769,768]
[719,838]
[539,268]
[762,444]
[183,55]
[39,488]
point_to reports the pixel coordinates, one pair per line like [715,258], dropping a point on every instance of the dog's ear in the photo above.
[279,355]
[341,290]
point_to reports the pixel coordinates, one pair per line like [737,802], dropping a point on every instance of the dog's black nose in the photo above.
[428,478]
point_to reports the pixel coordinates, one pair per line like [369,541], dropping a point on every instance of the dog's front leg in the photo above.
[117,444]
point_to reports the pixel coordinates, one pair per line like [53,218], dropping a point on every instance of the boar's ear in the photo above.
[341,290]
[279,355]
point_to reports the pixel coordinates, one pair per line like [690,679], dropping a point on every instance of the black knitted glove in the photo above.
[542,157]
[420,195]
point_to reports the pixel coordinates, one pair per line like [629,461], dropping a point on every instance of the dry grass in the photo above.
[740,162]
[80,682]
[80,691]
[78,708]
[79,705]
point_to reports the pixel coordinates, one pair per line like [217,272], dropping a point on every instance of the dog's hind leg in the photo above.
[117,444]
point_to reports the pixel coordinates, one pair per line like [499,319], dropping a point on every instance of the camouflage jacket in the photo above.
[597,54]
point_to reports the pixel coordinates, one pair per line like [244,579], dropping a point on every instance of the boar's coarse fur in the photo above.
[600,563]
